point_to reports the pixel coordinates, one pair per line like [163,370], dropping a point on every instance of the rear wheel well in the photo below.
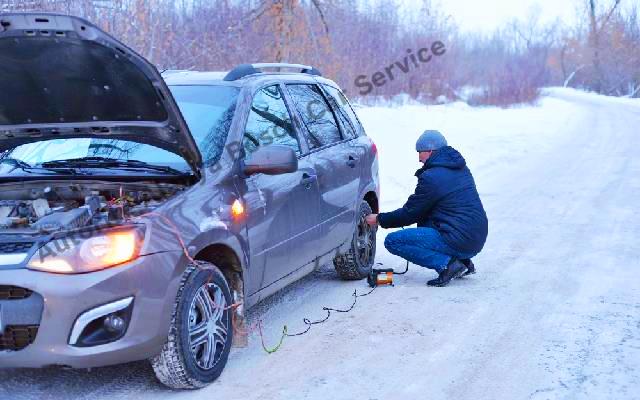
[372,199]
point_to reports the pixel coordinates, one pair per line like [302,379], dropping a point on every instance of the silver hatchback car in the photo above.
[141,215]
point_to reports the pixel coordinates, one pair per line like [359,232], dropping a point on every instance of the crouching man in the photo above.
[451,221]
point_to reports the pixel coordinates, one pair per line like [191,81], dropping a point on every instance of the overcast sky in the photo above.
[486,15]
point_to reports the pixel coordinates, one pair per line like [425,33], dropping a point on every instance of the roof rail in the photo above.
[243,70]
[173,71]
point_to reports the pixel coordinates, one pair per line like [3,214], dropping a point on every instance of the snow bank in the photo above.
[490,138]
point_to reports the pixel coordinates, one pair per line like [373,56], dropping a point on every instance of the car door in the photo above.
[357,143]
[335,161]
[282,231]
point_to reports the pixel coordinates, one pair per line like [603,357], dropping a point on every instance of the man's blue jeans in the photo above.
[422,246]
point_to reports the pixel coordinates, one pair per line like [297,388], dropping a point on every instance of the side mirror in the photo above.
[274,159]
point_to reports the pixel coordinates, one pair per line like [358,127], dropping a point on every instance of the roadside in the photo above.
[554,311]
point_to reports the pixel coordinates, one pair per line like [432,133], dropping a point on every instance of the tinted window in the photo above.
[269,122]
[335,99]
[208,111]
[345,109]
[316,115]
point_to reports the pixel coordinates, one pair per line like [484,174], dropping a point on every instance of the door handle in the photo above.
[308,179]
[351,162]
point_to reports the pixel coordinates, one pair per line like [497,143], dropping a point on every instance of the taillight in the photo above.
[374,148]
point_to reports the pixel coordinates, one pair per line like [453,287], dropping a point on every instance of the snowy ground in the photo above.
[554,312]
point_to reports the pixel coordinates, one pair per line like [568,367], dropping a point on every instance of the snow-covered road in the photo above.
[553,313]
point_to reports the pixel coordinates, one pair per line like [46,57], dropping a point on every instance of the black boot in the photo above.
[455,269]
[471,269]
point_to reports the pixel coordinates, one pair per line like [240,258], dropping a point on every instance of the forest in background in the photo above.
[599,52]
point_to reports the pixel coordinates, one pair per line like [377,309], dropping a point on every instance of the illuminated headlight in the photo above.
[88,251]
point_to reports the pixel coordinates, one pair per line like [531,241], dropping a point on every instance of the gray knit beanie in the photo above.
[430,140]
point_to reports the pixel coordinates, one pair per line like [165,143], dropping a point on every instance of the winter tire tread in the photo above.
[348,265]
[169,366]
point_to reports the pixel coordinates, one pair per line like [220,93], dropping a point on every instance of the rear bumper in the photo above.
[150,280]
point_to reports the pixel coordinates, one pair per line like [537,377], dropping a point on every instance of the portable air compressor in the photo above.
[383,277]
[380,277]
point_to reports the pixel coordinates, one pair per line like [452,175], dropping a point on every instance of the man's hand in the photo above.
[371,219]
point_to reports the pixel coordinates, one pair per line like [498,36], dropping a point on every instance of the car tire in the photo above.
[356,264]
[201,312]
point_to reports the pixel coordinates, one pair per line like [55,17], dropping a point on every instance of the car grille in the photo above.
[18,337]
[17,247]
[14,293]
[20,316]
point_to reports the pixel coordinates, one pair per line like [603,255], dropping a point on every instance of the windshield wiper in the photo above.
[26,167]
[103,162]
[15,162]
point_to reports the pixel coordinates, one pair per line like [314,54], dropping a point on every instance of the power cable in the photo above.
[309,323]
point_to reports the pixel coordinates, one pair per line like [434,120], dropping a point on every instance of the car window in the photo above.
[208,111]
[345,109]
[336,100]
[269,122]
[317,116]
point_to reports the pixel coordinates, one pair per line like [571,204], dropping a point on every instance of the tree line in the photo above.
[346,40]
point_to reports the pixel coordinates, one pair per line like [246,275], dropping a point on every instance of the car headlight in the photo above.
[88,251]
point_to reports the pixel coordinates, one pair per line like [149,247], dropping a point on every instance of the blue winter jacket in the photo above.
[446,199]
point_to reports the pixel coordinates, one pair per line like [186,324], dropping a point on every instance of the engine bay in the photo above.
[56,206]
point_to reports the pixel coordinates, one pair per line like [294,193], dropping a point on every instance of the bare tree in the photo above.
[594,38]
[346,40]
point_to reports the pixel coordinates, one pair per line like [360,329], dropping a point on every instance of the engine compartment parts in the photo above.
[16,213]
[74,218]
[65,206]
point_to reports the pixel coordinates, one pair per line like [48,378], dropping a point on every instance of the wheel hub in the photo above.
[208,329]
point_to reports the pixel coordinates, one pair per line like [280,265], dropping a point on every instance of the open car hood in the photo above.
[62,77]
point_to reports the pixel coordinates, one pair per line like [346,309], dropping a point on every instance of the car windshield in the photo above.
[208,111]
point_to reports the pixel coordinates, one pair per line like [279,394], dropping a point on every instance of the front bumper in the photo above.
[151,280]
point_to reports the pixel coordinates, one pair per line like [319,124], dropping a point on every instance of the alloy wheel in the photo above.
[207,328]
